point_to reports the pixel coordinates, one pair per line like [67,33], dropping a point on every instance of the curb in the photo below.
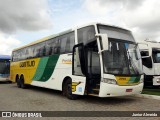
[148,96]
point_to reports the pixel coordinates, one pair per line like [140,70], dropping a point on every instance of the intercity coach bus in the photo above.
[4,67]
[95,59]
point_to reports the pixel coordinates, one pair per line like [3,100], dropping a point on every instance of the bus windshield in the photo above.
[4,66]
[123,57]
[156,55]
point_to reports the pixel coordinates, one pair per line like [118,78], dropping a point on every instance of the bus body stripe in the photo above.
[125,80]
[134,79]
[46,67]
[40,69]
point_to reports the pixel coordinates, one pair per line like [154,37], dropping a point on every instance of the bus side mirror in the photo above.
[146,50]
[103,38]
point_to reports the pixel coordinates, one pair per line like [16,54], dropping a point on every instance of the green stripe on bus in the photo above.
[52,61]
[134,79]
[49,68]
[41,68]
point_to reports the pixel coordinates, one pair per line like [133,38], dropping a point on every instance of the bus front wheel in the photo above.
[67,90]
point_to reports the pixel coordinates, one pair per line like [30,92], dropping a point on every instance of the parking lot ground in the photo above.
[41,99]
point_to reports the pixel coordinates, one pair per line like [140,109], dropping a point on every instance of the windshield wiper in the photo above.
[131,63]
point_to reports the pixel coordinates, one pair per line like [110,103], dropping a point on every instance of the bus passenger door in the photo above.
[78,70]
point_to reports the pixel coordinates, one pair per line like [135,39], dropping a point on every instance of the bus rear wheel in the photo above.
[23,85]
[18,83]
[67,90]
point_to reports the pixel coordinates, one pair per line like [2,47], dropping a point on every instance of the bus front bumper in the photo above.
[110,90]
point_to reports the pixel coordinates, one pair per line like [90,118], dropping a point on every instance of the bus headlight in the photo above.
[158,80]
[109,81]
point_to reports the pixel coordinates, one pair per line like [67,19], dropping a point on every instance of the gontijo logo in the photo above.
[122,78]
[27,64]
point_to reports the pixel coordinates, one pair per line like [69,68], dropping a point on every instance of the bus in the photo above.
[94,59]
[4,68]
[151,63]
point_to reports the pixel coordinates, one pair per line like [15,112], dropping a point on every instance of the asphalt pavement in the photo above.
[13,98]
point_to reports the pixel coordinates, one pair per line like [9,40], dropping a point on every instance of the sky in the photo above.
[24,21]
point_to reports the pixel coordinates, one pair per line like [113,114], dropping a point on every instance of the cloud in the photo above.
[102,7]
[147,16]
[27,15]
[140,16]
[7,44]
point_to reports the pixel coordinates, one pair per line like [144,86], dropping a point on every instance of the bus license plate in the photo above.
[128,90]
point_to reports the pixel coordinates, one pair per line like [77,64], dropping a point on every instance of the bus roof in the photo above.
[67,31]
[5,57]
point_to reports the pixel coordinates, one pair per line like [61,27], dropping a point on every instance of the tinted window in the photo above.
[156,55]
[56,49]
[70,42]
[4,66]
[116,33]
[63,40]
[147,62]
[67,42]
[86,35]
[62,44]
[50,45]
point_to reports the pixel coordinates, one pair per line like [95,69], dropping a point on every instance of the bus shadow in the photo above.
[41,90]
[5,82]
[109,100]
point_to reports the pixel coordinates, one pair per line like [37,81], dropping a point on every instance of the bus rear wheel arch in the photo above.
[67,89]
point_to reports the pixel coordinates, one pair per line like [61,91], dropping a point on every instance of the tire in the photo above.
[67,90]
[22,82]
[18,83]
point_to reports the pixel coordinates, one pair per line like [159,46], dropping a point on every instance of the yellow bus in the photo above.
[95,59]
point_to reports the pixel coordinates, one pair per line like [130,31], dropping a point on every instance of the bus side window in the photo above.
[31,51]
[70,42]
[13,56]
[40,49]
[56,50]
[50,51]
[147,62]
[57,47]
[44,51]
[37,51]
[63,41]
[86,34]
[67,43]
[34,51]
[49,44]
